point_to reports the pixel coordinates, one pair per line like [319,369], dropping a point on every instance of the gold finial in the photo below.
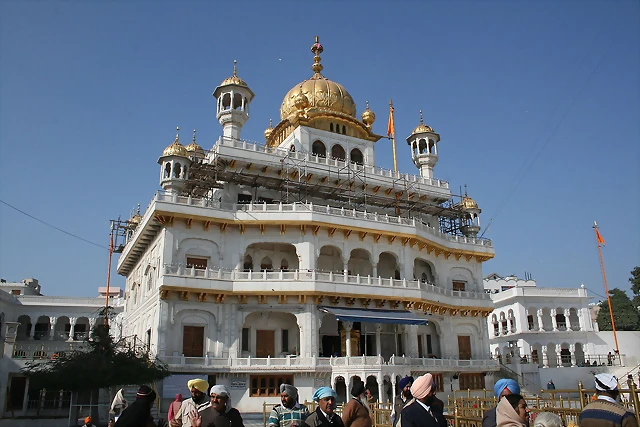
[368,116]
[138,211]
[317,49]
[194,136]
[269,130]
[422,121]
[177,134]
[235,71]
[367,104]
[270,123]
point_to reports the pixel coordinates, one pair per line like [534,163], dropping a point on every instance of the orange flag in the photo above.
[391,125]
[599,237]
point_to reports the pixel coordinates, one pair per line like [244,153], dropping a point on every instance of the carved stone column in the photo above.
[540,323]
[572,349]
[72,329]
[378,341]
[567,312]
[559,357]
[52,327]
[554,321]
[347,328]
[545,357]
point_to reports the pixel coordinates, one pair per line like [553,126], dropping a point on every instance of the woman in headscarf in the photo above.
[221,413]
[174,407]
[324,415]
[138,414]
[512,411]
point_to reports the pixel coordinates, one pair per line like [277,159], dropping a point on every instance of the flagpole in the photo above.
[393,135]
[600,240]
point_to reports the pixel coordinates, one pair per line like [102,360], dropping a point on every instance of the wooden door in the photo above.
[464,347]
[265,343]
[193,341]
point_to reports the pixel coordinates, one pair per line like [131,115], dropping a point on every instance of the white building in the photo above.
[297,259]
[37,327]
[532,329]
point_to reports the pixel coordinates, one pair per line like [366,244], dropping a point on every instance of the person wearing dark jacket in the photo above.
[421,412]
[220,413]
[324,415]
[502,387]
[356,412]
[138,414]
[402,399]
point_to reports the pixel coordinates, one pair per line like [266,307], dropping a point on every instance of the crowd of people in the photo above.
[415,406]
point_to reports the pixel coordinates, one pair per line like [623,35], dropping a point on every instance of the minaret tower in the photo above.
[233,97]
[471,228]
[174,166]
[424,148]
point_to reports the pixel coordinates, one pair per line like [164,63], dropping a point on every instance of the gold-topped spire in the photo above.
[234,79]
[317,49]
[194,136]
[177,134]
[421,120]
[235,70]
[194,149]
[269,130]
[422,128]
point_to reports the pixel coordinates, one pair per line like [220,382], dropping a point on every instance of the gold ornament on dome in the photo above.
[368,116]
[194,148]
[234,80]
[176,149]
[320,92]
[269,130]
[468,203]
[422,128]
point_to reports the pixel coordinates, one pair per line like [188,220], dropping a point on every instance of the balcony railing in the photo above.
[315,276]
[45,350]
[295,362]
[161,196]
[328,161]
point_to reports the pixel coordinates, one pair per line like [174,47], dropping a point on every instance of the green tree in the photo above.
[625,313]
[635,285]
[107,362]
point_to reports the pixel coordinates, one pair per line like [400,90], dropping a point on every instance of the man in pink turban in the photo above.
[422,413]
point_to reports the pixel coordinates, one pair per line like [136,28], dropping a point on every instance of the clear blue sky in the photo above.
[91,92]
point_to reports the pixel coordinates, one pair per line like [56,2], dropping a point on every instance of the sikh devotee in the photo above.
[221,413]
[502,387]
[289,413]
[198,402]
[138,414]
[606,411]
[324,415]
[356,413]
[402,399]
[512,411]
[174,407]
[421,412]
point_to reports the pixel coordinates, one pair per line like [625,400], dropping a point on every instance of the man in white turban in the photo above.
[606,411]
[290,413]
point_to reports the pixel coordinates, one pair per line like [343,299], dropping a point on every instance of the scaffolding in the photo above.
[340,183]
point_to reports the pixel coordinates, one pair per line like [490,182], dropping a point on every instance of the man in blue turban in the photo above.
[324,415]
[502,387]
[404,385]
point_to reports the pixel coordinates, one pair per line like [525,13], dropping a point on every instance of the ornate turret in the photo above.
[196,152]
[233,97]
[472,215]
[424,148]
[174,165]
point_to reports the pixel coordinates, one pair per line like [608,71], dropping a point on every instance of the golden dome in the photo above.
[194,148]
[368,116]
[234,80]
[135,219]
[320,92]
[468,203]
[176,149]
[267,131]
[422,128]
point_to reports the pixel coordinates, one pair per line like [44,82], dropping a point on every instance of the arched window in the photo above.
[284,265]
[432,147]
[237,101]
[337,152]
[330,127]
[422,146]
[318,149]
[344,130]
[248,263]
[356,156]
[177,169]
[167,170]
[266,264]
[226,101]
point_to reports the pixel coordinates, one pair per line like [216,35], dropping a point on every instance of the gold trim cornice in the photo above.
[286,297]
[423,243]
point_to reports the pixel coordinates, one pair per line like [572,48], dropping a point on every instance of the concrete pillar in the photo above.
[52,327]
[378,341]
[554,321]
[567,313]
[559,356]
[307,255]
[411,343]
[375,270]
[380,388]
[33,328]
[545,357]
[10,334]
[572,349]
[72,329]
[347,328]
[393,387]
[540,323]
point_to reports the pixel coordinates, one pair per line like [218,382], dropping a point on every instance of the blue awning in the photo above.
[374,315]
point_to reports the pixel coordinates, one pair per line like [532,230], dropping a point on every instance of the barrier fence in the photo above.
[466,408]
